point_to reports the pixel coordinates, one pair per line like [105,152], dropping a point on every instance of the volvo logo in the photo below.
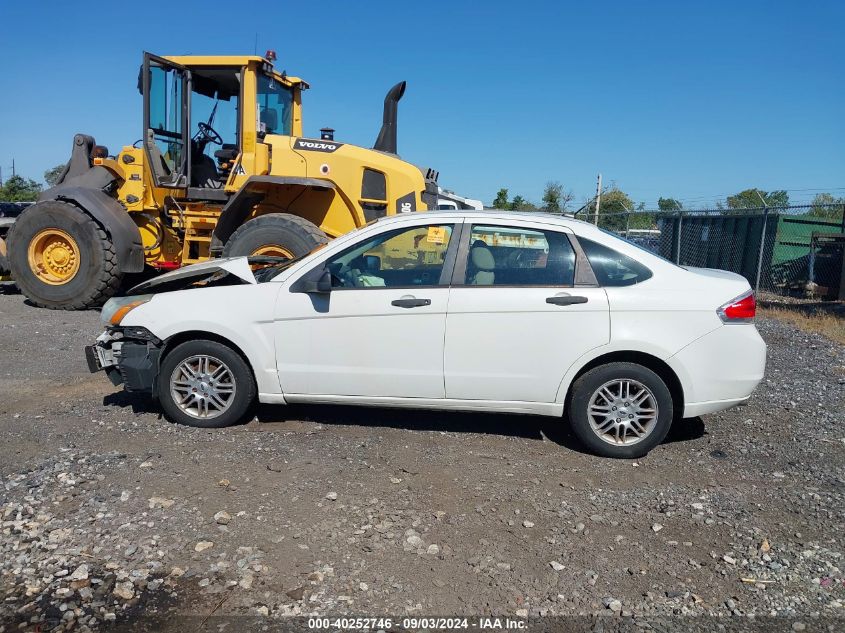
[316,146]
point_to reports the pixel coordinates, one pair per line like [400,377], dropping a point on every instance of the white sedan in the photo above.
[459,310]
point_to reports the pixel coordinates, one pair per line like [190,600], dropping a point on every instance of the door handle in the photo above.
[410,302]
[565,300]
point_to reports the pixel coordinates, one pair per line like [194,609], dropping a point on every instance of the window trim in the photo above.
[445,274]
[583,276]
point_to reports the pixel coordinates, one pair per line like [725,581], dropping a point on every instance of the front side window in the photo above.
[611,267]
[274,107]
[396,259]
[513,256]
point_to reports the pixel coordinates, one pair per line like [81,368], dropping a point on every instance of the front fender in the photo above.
[241,315]
[111,215]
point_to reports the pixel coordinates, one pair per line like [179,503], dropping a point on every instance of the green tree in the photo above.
[669,204]
[19,189]
[615,204]
[751,199]
[501,201]
[827,206]
[555,198]
[51,176]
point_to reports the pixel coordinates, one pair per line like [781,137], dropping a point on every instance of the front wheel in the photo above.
[205,384]
[61,258]
[620,410]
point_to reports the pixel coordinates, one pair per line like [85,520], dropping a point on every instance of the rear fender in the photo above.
[251,193]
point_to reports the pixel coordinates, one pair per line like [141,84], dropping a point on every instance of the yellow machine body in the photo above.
[177,229]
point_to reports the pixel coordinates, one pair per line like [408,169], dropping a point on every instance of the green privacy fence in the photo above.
[797,250]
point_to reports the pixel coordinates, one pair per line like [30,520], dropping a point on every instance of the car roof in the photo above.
[490,215]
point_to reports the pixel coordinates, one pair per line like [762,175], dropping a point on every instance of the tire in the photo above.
[4,260]
[590,429]
[238,404]
[290,235]
[91,275]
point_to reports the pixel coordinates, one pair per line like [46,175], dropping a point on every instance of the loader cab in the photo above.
[204,116]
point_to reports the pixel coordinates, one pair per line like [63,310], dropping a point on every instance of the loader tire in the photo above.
[61,258]
[278,234]
[4,260]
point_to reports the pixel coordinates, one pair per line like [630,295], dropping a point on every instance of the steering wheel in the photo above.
[209,134]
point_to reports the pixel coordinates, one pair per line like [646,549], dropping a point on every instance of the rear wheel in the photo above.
[61,258]
[205,384]
[275,234]
[620,410]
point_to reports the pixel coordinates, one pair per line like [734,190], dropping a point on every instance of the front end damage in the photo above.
[128,355]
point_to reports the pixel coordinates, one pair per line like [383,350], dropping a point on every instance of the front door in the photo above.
[379,332]
[165,87]
[516,320]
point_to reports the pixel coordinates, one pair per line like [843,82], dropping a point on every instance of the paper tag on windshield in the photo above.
[436,234]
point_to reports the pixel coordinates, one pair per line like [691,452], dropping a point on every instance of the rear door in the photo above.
[517,319]
[166,90]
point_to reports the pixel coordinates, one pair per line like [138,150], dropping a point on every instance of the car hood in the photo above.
[237,266]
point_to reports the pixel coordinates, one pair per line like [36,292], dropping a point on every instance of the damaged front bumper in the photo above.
[129,356]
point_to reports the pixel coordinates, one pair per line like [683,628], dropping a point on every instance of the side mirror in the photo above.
[321,285]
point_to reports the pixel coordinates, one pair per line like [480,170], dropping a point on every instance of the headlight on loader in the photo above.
[118,307]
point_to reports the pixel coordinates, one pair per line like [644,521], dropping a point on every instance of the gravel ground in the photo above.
[111,515]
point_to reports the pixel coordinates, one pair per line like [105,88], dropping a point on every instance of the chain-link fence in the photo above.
[795,250]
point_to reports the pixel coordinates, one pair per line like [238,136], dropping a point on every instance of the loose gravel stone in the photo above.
[104,506]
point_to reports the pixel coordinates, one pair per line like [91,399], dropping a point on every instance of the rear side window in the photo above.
[514,256]
[611,267]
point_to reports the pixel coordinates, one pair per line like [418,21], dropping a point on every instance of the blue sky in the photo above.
[694,100]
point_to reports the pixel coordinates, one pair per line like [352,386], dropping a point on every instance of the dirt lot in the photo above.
[110,513]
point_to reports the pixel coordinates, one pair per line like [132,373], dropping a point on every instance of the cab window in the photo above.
[514,256]
[166,119]
[274,107]
[402,258]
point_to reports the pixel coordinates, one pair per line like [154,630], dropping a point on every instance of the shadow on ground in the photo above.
[523,426]
[507,425]
[139,403]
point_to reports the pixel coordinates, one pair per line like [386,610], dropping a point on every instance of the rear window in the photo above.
[611,267]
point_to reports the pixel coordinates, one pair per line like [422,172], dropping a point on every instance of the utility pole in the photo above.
[1,176]
[598,200]
[13,168]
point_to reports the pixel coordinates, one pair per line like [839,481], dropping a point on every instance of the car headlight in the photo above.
[118,307]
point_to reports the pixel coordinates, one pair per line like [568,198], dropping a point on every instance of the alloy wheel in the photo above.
[622,412]
[202,386]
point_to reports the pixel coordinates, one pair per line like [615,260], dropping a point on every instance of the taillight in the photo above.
[740,310]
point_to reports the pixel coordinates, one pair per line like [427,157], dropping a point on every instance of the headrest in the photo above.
[482,258]
[270,119]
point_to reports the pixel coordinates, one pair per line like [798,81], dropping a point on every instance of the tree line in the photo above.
[557,199]
[21,189]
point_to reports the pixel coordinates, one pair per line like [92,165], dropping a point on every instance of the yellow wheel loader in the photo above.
[222,169]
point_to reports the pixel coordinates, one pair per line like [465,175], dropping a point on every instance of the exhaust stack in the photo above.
[386,141]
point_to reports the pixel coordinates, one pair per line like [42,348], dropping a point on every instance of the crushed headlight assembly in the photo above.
[136,333]
[118,307]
